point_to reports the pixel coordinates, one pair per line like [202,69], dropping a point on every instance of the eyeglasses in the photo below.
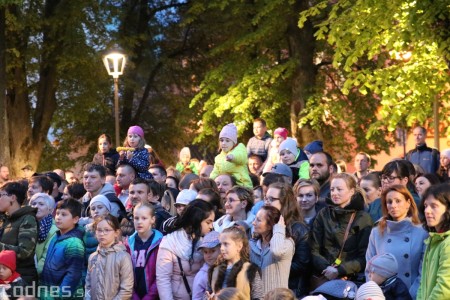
[271,199]
[103,231]
[230,200]
[301,196]
[389,179]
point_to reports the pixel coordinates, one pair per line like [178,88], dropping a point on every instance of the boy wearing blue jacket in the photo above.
[64,264]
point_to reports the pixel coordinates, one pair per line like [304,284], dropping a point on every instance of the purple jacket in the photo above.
[150,265]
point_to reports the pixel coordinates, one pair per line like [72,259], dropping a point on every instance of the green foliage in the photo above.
[371,41]
[250,70]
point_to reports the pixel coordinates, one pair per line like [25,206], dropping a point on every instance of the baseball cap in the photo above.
[210,240]
[282,169]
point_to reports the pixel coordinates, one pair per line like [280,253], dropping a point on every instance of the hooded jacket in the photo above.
[434,284]
[168,273]
[328,233]
[150,264]
[108,160]
[65,262]
[19,233]
[109,274]
[237,167]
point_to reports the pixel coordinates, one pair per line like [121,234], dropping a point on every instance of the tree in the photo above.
[49,46]
[262,64]
[396,52]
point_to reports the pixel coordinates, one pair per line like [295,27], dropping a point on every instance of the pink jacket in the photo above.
[168,274]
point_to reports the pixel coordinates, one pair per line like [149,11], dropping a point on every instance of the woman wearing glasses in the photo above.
[400,233]
[396,172]
[281,196]
[19,228]
[238,203]
[307,193]
[341,232]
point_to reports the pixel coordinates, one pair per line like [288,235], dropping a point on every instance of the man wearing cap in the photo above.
[282,169]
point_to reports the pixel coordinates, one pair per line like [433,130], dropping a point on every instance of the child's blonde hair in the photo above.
[229,293]
[140,145]
[237,234]
[146,205]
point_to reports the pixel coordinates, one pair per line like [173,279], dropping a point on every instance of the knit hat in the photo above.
[229,131]
[384,265]
[185,152]
[289,144]
[210,240]
[369,290]
[314,147]
[8,259]
[446,152]
[282,132]
[186,196]
[338,288]
[136,130]
[103,200]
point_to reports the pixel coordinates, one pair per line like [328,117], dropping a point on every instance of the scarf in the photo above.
[11,278]
[44,228]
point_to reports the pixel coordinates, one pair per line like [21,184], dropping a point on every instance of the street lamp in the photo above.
[114,64]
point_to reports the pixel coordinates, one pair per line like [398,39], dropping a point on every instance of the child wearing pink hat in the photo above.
[134,152]
[9,278]
[279,135]
[232,160]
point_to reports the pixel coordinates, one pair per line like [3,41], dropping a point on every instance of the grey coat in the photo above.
[405,241]
[110,274]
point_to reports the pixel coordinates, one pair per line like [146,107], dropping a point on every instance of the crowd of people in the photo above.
[267,220]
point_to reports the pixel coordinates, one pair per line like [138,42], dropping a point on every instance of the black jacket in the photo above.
[395,289]
[108,160]
[300,266]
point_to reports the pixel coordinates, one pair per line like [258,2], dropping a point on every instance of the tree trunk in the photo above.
[302,47]
[4,136]
[28,133]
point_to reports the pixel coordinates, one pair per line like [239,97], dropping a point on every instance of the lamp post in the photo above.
[114,64]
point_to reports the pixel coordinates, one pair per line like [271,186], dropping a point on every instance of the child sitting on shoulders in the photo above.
[232,159]
[383,269]
[210,247]
[134,153]
[186,165]
[9,278]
